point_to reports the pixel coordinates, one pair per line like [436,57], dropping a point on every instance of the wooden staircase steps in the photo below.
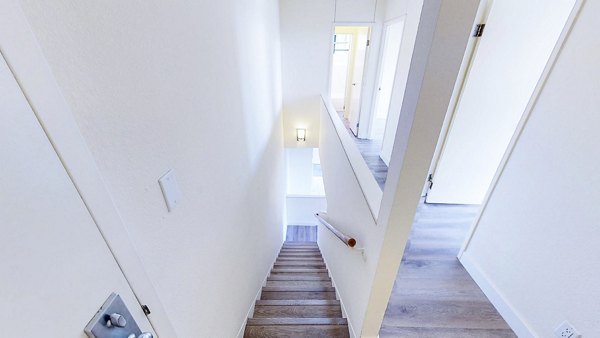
[298,299]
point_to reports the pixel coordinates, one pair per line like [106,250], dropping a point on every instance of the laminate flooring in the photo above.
[369,149]
[433,295]
[301,233]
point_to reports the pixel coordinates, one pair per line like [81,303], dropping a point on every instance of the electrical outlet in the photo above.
[566,330]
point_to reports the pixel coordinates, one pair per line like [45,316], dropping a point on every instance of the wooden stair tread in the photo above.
[297,331]
[298,262]
[299,277]
[299,283]
[304,311]
[299,302]
[297,321]
[298,289]
[299,299]
[288,295]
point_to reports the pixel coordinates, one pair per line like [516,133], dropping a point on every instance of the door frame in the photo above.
[28,64]
[371,27]
[379,71]
[465,69]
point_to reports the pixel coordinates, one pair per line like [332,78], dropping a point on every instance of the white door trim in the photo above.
[524,118]
[471,52]
[379,71]
[26,60]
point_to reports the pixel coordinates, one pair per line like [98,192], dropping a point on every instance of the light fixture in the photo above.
[300,135]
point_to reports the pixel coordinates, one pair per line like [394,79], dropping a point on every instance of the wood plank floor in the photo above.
[433,295]
[301,233]
[369,149]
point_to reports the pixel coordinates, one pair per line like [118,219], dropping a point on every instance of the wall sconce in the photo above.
[300,135]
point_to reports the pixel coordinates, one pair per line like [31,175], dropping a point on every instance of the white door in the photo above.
[360,55]
[387,73]
[514,49]
[55,268]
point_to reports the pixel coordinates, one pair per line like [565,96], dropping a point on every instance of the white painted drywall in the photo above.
[395,9]
[355,10]
[364,283]
[307,28]
[195,87]
[306,46]
[301,209]
[49,241]
[412,11]
[517,41]
[28,64]
[536,242]
[351,214]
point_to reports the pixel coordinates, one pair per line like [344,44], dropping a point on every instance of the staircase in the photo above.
[299,299]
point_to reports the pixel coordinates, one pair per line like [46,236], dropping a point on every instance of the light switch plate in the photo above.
[170,189]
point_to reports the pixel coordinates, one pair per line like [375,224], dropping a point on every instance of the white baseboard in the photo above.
[512,318]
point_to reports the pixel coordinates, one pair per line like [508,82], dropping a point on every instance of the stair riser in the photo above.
[299,249]
[307,259]
[299,266]
[298,277]
[297,295]
[299,271]
[288,283]
[262,311]
[299,299]
[298,331]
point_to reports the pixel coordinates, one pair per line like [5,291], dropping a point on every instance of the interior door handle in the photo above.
[354,84]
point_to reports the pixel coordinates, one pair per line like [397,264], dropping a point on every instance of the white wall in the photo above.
[395,8]
[535,246]
[149,84]
[411,9]
[299,166]
[364,283]
[301,209]
[306,43]
[510,58]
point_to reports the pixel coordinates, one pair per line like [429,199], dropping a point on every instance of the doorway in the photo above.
[503,74]
[392,40]
[347,72]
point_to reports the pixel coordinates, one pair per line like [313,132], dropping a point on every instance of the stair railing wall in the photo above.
[349,209]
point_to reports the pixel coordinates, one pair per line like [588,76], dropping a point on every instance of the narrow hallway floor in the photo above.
[433,295]
[369,149]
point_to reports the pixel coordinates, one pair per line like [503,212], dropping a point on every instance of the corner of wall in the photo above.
[512,317]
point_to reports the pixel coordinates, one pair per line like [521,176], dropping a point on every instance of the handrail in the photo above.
[349,241]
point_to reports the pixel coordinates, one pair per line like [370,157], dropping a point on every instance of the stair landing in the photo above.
[299,298]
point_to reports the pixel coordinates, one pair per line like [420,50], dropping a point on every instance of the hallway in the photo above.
[369,149]
[433,295]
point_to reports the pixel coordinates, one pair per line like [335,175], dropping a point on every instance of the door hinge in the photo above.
[146,309]
[479,30]
[368,43]
[430,180]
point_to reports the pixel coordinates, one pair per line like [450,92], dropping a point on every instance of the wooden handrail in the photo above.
[349,241]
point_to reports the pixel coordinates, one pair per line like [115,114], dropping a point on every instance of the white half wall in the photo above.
[194,87]
[535,245]
[301,209]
